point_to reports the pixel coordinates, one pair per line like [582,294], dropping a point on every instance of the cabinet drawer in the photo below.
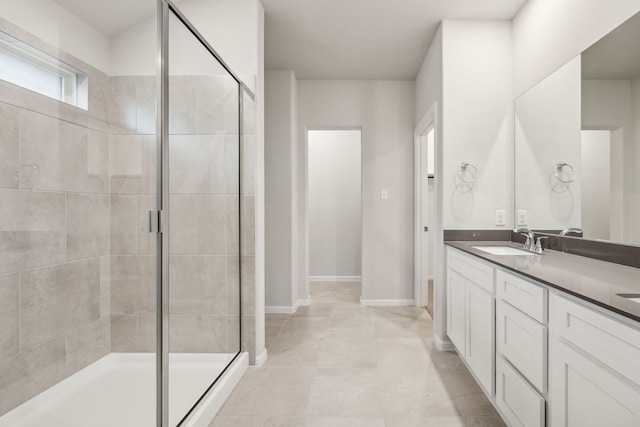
[472,269]
[524,295]
[612,342]
[519,402]
[523,342]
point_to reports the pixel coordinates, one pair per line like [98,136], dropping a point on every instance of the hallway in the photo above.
[339,364]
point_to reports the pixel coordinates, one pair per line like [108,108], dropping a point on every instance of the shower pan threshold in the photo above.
[120,390]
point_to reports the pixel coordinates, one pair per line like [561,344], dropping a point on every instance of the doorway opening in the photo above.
[335,206]
[424,216]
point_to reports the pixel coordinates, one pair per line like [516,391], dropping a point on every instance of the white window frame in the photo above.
[74,83]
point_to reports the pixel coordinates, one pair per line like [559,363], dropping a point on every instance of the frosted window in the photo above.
[29,76]
[31,69]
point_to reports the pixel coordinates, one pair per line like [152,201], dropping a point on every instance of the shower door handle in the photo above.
[156,221]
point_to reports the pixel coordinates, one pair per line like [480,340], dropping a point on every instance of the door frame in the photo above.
[420,190]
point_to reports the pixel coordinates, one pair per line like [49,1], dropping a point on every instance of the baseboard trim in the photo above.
[301,303]
[286,309]
[386,302]
[443,345]
[261,358]
[335,278]
[279,309]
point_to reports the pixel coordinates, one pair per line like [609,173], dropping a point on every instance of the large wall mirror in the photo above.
[577,143]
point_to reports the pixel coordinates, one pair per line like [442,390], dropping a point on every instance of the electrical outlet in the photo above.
[522,217]
[501,215]
[384,194]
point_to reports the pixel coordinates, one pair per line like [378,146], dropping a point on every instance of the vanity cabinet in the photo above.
[521,349]
[471,314]
[543,357]
[594,367]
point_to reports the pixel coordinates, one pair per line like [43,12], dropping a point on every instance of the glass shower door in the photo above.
[204,212]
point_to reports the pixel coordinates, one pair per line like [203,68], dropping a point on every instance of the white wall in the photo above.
[635,160]
[335,214]
[428,95]
[547,131]
[59,27]
[548,33]
[477,121]
[596,189]
[280,134]
[230,26]
[384,110]
[608,104]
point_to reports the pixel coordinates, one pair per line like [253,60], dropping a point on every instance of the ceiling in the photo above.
[616,56]
[328,39]
[363,39]
[110,17]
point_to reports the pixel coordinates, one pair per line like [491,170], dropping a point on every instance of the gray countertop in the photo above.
[598,282]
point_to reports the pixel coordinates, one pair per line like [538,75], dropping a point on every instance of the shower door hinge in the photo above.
[156,221]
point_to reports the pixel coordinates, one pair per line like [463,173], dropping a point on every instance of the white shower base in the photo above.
[119,390]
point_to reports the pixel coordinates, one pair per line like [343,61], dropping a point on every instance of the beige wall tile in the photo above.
[144,181]
[87,226]
[183,225]
[232,163]
[123,104]
[32,229]
[248,224]
[182,105]
[197,284]
[146,104]
[197,334]
[197,164]
[248,284]
[9,320]
[31,372]
[124,333]
[124,225]
[233,225]
[105,286]
[147,242]
[9,146]
[55,155]
[147,333]
[212,225]
[209,108]
[88,343]
[126,156]
[47,294]
[248,167]
[133,285]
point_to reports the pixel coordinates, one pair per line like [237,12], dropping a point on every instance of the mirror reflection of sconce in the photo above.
[466,176]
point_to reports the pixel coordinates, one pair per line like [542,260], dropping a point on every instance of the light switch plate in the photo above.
[522,217]
[500,216]
[384,194]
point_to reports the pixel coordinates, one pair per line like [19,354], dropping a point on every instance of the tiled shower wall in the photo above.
[77,263]
[204,210]
[54,234]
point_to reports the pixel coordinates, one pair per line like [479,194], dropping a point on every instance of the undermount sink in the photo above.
[502,250]
[631,297]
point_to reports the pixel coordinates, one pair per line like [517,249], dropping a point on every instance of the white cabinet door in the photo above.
[480,340]
[583,393]
[456,307]
[523,342]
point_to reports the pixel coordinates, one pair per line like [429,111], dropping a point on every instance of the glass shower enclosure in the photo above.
[120,230]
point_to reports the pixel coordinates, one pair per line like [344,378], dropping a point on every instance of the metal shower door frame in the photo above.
[164,9]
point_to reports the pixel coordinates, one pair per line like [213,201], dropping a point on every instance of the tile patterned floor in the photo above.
[339,364]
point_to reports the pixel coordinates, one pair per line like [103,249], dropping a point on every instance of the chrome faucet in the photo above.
[530,244]
[570,230]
